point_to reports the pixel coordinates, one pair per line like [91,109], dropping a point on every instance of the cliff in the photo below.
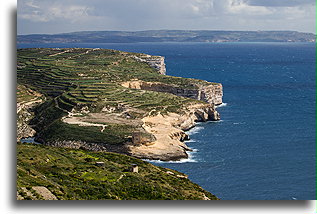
[210,92]
[104,100]
[73,101]
[156,62]
[169,133]
[26,100]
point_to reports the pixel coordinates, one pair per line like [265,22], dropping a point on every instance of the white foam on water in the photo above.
[215,121]
[239,123]
[194,130]
[190,141]
[221,105]
[190,159]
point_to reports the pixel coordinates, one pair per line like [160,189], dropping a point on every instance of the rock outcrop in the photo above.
[169,131]
[156,62]
[23,128]
[24,115]
[209,92]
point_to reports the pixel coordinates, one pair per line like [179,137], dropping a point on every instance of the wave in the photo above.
[190,159]
[215,121]
[239,123]
[190,141]
[222,105]
[194,130]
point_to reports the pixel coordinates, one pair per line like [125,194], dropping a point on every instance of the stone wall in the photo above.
[70,144]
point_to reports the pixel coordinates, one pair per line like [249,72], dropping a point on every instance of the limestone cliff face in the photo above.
[169,131]
[156,62]
[210,93]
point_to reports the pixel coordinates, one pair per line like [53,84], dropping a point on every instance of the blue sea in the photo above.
[264,146]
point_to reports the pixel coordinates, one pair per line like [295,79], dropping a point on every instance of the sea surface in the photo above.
[264,145]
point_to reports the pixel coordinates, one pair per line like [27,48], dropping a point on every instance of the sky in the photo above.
[62,16]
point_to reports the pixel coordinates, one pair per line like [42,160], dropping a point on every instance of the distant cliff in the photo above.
[168,36]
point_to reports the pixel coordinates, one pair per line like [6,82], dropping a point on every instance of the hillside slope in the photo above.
[48,173]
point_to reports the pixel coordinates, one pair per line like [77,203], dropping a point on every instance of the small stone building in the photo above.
[136,138]
[134,168]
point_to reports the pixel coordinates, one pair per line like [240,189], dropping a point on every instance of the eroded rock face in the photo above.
[24,115]
[169,131]
[23,129]
[211,93]
[156,62]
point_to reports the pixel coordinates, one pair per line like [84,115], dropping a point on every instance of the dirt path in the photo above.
[59,53]
[77,121]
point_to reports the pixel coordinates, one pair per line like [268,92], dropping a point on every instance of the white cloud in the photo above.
[45,11]
[31,4]
[241,7]
[75,15]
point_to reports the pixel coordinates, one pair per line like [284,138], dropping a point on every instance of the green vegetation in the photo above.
[113,134]
[73,175]
[77,78]
[84,85]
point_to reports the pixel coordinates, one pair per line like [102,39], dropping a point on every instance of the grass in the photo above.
[72,175]
[113,133]
[87,77]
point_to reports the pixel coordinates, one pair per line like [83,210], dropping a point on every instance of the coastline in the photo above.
[160,137]
[170,133]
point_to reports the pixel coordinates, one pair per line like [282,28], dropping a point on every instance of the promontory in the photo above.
[99,101]
[107,100]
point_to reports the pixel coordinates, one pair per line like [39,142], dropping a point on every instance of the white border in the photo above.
[7,204]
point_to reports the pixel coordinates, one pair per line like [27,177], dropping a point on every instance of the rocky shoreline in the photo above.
[169,131]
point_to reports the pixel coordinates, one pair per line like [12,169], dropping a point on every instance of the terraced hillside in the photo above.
[87,103]
[84,99]
[48,173]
